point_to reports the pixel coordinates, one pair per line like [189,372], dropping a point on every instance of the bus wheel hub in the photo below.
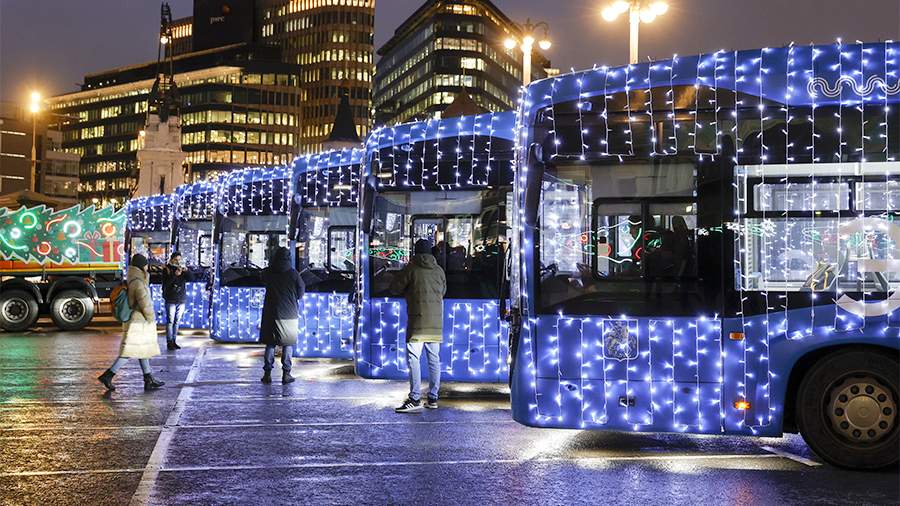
[15,310]
[862,410]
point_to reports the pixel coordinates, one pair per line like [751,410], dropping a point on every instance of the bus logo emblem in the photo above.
[618,342]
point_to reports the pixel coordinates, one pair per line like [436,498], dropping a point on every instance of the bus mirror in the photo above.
[533,186]
[367,204]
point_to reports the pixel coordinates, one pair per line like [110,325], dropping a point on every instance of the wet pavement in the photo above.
[215,435]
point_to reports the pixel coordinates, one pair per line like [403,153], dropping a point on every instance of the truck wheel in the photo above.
[72,310]
[18,310]
[847,409]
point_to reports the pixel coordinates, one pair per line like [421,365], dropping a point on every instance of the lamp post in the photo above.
[35,108]
[639,11]
[529,37]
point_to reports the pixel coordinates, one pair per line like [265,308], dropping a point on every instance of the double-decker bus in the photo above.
[323,234]
[192,228]
[251,222]
[446,181]
[708,244]
[148,231]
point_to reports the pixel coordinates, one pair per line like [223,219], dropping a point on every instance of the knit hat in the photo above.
[139,261]
[422,246]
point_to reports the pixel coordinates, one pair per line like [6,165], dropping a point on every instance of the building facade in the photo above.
[240,106]
[331,39]
[56,171]
[447,47]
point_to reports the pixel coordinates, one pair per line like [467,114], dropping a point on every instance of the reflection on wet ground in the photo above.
[216,435]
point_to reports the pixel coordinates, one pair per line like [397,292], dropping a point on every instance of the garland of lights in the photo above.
[574,371]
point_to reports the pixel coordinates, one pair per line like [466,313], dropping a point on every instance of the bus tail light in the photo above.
[736,336]
[742,405]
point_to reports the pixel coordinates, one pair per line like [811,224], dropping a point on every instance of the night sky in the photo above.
[51,44]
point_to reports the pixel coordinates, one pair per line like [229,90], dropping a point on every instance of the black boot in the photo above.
[267,377]
[106,379]
[151,383]
[175,346]
[287,378]
[171,346]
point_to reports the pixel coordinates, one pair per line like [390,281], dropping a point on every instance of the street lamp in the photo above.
[35,107]
[639,11]
[529,30]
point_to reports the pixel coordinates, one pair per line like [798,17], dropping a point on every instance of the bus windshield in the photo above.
[615,237]
[325,248]
[247,245]
[466,228]
[195,244]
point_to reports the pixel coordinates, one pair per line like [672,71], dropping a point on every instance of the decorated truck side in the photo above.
[57,263]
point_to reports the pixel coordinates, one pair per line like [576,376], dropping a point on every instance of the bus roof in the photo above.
[829,74]
[494,124]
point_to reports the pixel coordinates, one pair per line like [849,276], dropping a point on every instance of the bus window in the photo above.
[247,245]
[619,239]
[340,249]
[467,231]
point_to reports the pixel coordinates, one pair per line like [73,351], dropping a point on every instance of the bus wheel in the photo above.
[18,310]
[72,310]
[847,409]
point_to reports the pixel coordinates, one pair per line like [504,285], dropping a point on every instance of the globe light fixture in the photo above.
[639,11]
[529,38]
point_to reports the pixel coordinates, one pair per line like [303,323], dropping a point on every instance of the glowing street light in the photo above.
[529,30]
[34,107]
[639,11]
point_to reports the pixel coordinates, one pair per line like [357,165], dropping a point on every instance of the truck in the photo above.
[58,263]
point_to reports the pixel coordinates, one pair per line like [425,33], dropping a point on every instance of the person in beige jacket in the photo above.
[139,332]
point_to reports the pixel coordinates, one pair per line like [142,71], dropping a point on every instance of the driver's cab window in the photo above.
[247,246]
[155,246]
[613,235]
[325,248]
[466,231]
[195,244]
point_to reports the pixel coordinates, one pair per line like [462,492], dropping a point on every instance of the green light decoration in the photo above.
[392,254]
[68,236]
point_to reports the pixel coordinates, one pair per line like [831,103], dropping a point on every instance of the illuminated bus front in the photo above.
[149,233]
[192,237]
[324,233]
[709,244]
[446,181]
[251,223]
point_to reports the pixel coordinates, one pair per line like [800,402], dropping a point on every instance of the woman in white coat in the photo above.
[139,332]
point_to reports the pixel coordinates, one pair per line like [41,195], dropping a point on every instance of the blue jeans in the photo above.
[413,352]
[174,314]
[286,352]
[145,365]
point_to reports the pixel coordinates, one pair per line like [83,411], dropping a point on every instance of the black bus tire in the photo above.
[72,310]
[847,409]
[18,310]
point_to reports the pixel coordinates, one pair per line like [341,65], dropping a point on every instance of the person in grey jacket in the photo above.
[423,284]
[280,316]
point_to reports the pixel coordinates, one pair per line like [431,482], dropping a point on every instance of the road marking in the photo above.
[796,458]
[154,464]
[243,425]
[413,463]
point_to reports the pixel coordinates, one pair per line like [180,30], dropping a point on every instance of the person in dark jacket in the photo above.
[175,277]
[280,317]
[423,283]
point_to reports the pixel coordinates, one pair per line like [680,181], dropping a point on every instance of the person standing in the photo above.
[139,332]
[280,316]
[174,289]
[423,284]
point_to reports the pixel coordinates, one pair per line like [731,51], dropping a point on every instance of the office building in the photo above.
[239,106]
[56,171]
[445,48]
[331,39]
